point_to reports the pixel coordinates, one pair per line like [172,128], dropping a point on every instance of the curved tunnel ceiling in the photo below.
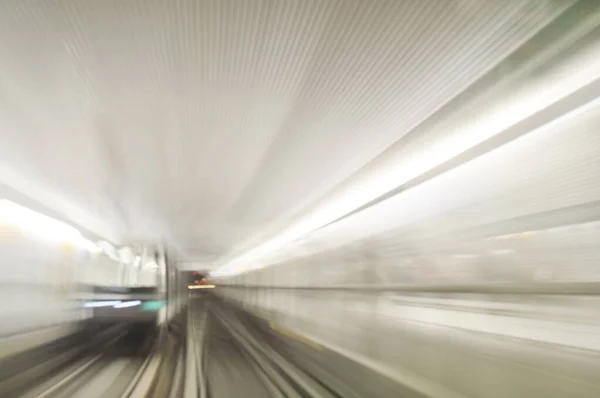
[215,125]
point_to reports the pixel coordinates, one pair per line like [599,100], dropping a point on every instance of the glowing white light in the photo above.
[192,287]
[43,227]
[93,304]
[125,304]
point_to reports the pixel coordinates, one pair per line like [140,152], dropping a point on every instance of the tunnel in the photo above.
[300,198]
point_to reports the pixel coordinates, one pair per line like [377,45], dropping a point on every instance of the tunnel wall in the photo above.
[481,282]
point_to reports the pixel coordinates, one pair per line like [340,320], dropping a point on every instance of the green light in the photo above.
[152,305]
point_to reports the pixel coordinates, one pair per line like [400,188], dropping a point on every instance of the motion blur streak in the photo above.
[202,287]
[300,198]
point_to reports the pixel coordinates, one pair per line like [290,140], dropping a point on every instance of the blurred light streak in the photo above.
[125,304]
[43,227]
[201,287]
[93,304]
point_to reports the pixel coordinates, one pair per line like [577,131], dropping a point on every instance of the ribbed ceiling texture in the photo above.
[214,125]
